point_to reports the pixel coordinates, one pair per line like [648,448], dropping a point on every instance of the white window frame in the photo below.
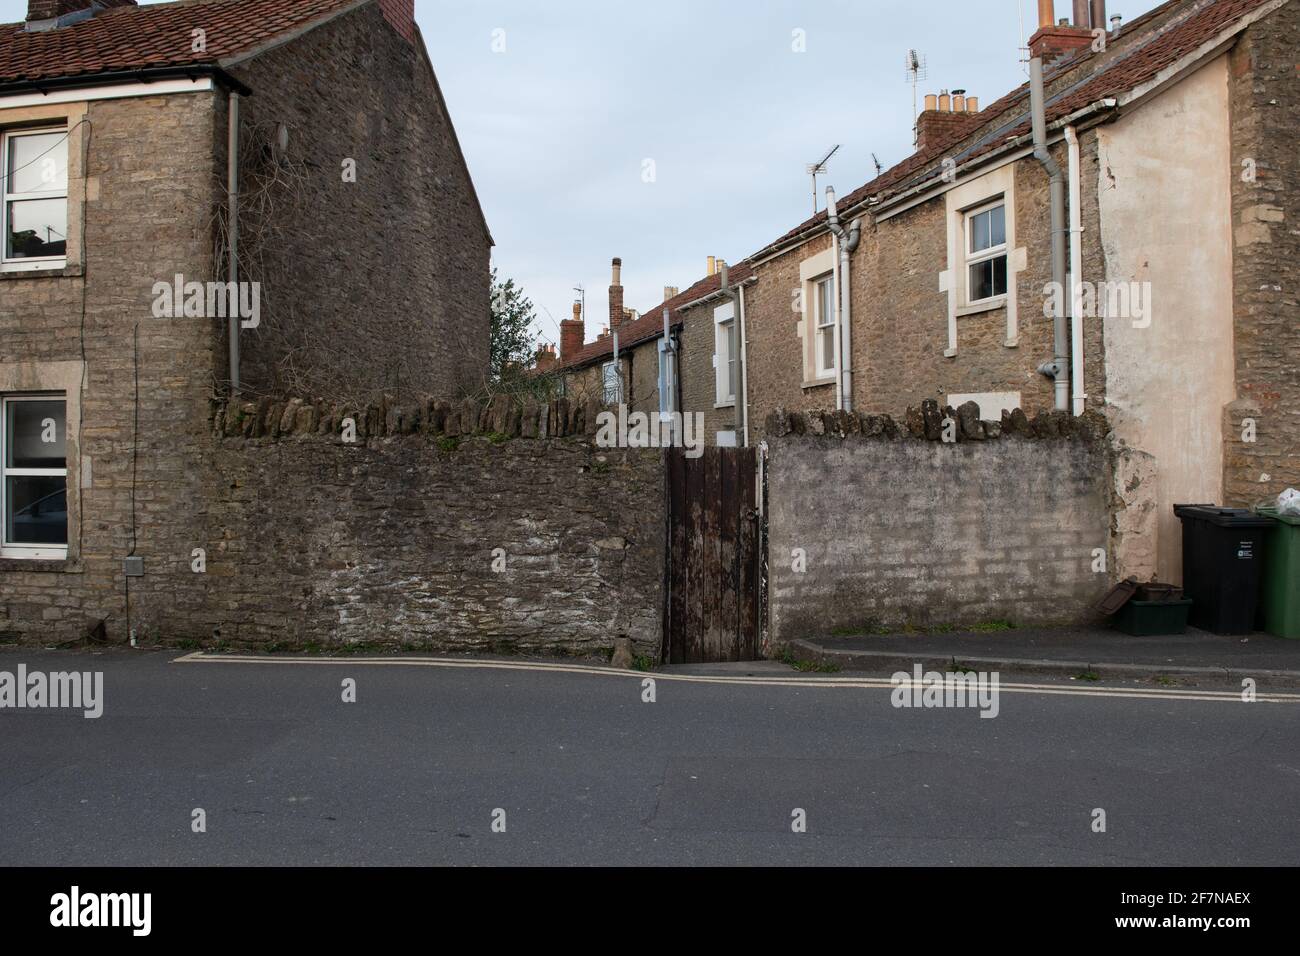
[31,552]
[28,263]
[725,356]
[607,380]
[969,259]
[823,324]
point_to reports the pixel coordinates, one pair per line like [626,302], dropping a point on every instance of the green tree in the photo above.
[514,344]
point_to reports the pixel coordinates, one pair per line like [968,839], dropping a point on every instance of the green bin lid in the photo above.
[1272,513]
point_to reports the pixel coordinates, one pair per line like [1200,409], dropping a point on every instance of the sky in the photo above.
[667,131]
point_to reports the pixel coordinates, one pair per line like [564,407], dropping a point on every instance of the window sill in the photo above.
[725,404]
[43,565]
[820,382]
[53,271]
[991,305]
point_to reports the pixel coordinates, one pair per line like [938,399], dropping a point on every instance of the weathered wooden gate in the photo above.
[714,569]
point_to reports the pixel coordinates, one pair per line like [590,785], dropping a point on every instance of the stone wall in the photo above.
[698,377]
[1264,97]
[312,540]
[138,387]
[375,285]
[899,528]
[775,348]
[900,315]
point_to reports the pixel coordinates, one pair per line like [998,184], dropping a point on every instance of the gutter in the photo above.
[119,77]
[716,294]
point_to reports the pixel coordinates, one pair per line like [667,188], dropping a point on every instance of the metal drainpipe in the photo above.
[744,370]
[737,296]
[1080,397]
[846,244]
[232,217]
[1058,368]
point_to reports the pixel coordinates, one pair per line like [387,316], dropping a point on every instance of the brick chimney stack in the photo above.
[546,358]
[1055,40]
[616,313]
[572,333]
[52,9]
[401,14]
[945,115]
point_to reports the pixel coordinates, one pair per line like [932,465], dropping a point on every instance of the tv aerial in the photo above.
[818,168]
[916,72]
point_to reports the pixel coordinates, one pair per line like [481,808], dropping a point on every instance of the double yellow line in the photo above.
[818,683]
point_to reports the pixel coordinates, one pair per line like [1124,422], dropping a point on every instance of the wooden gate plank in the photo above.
[696,594]
[749,564]
[675,646]
[728,603]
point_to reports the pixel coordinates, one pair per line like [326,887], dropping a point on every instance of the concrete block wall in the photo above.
[899,529]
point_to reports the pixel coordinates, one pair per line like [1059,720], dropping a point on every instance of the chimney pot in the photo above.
[1046,13]
[931,102]
[945,102]
[1097,13]
[972,104]
[1082,14]
[713,265]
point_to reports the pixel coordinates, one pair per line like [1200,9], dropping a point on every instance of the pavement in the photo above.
[1070,652]
[582,769]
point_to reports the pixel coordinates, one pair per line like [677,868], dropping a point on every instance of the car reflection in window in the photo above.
[44,521]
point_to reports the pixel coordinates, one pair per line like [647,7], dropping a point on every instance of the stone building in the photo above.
[361,246]
[1176,133]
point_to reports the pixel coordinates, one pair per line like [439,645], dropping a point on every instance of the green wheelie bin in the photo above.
[1280,592]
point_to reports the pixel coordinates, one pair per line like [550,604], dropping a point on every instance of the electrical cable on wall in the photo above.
[36,159]
[81,397]
[135,456]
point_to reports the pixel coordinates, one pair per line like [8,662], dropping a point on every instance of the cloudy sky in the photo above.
[560,105]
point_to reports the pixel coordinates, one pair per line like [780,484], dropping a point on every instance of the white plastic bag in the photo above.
[1288,503]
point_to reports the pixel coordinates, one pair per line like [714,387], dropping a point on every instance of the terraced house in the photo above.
[1150,169]
[299,148]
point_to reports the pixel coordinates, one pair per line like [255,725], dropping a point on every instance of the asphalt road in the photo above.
[586,772]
